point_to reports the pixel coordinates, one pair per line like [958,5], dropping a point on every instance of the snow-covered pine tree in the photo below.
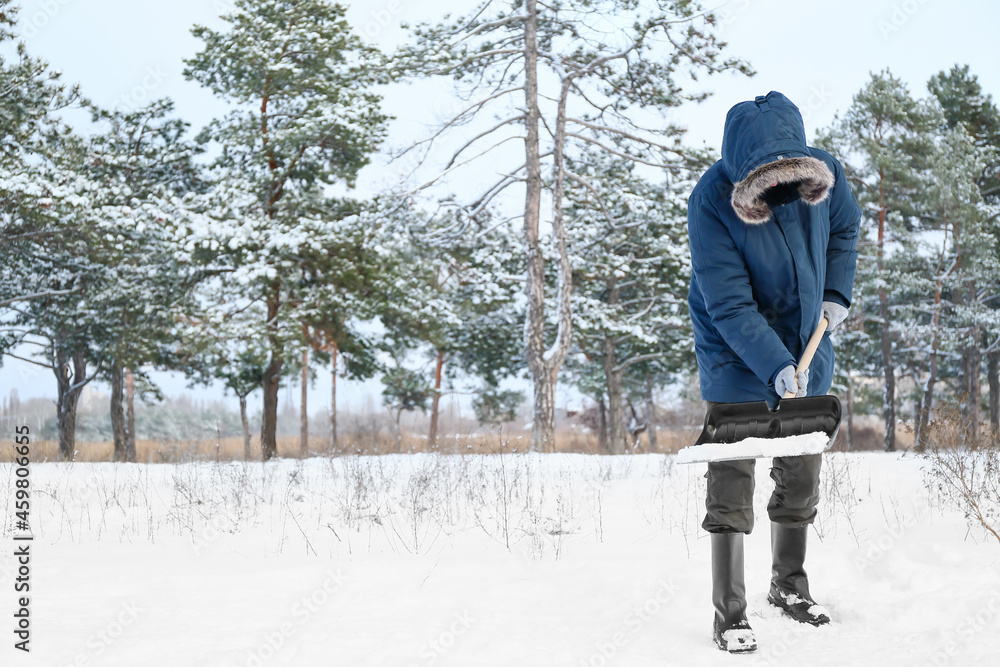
[885,140]
[967,263]
[49,233]
[966,105]
[631,276]
[561,78]
[456,285]
[342,287]
[28,178]
[304,117]
[146,176]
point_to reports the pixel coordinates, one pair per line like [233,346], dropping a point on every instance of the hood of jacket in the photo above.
[763,146]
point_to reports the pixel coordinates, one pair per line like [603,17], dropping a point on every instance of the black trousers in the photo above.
[793,502]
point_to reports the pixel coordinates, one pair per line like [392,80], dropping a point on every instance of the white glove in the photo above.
[788,381]
[834,314]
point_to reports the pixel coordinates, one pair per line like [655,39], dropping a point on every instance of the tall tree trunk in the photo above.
[889,389]
[71,378]
[304,414]
[634,428]
[927,396]
[975,391]
[399,430]
[926,405]
[993,375]
[971,363]
[974,381]
[435,401]
[602,425]
[333,400]
[272,377]
[544,408]
[129,416]
[272,373]
[118,435]
[613,384]
[544,364]
[543,424]
[651,415]
[246,427]
[849,436]
[616,407]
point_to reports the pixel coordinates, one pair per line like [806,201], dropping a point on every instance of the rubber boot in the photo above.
[789,584]
[731,630]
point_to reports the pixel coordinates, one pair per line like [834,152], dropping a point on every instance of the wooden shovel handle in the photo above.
[810,351]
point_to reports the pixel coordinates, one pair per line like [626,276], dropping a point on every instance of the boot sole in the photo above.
[738,651]
[788,612]
[752,649]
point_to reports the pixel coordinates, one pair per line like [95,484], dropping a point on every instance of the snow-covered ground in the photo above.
[545,560]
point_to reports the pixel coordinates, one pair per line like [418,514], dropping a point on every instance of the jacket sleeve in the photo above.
[842,253]
[724,283]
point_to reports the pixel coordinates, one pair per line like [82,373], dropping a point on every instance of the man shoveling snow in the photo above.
[773,231]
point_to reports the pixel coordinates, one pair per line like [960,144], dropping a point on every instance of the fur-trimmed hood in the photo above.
[764,144]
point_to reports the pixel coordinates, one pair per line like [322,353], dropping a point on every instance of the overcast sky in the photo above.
[817,53]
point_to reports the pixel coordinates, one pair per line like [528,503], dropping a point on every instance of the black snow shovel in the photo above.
[796,427]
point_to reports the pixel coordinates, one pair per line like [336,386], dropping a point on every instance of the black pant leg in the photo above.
[796,490]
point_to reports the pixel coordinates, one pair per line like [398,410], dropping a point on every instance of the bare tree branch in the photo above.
[605,128]
[462,164]
[36,295]
[479,136]
[638,359]
[490,25]
[633,158]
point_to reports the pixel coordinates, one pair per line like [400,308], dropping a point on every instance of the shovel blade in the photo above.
[733,422]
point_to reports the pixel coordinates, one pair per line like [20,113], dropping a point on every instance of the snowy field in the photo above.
[547,560]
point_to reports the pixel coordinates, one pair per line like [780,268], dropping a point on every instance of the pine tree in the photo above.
[455,289]
[29,178]
[889,135]
[304,117]
[631,279]
[966,106]
[341,288]
[48,232]
[146,177]
[970,263]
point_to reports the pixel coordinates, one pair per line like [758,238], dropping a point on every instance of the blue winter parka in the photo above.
[773,230]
